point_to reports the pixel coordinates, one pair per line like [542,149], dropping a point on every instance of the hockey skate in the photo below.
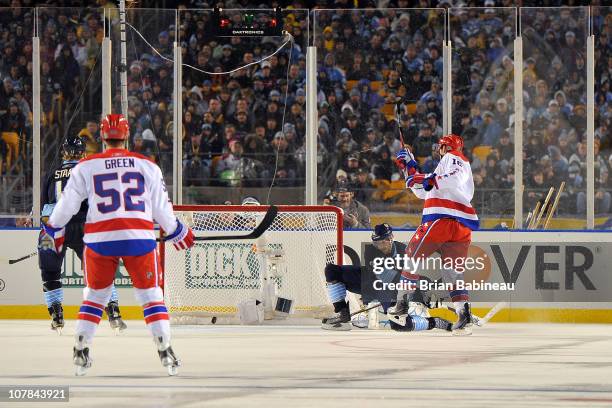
[340,321]
[399,312]
[57,317]
[114,317]
[463,325]
[167,356]
[80,357]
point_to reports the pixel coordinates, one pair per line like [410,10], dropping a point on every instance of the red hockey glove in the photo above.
[182,237]
[427,181]
[51,238]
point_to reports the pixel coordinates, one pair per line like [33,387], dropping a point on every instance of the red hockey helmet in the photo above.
[453,141]
[114,126]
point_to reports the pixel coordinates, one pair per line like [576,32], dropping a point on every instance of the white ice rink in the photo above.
[501,365]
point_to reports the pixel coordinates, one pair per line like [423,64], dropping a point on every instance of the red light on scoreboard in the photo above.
[224,22]
[273,22]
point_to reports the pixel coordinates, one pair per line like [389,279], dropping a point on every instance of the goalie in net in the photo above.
[236,280]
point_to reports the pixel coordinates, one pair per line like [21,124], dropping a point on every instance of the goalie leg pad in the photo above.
[251,311]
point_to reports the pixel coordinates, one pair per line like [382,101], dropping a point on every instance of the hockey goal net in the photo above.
[206,283]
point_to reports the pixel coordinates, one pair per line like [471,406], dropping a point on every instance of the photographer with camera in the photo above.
[356,215]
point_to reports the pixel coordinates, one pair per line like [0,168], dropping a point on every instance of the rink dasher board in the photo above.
[21,294]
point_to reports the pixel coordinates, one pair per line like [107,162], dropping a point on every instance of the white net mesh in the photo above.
[210,279]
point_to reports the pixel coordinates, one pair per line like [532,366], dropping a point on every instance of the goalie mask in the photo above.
[73,148]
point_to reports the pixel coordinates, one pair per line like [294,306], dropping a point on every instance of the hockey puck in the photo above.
[213,320]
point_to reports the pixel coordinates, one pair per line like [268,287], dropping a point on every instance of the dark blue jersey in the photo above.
[53,185]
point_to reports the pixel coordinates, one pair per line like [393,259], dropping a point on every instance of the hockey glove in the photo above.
[427,181]
[51,238]
[182,237]
[405,161]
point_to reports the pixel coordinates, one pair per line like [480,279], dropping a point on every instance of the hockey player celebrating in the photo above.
[349,277]
[126,194]
[50,261]
[448,218]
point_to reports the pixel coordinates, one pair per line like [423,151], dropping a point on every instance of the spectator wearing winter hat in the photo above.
[490,130]
[286,166]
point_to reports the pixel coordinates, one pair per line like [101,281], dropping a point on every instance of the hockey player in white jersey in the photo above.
[126,194]
[448,219]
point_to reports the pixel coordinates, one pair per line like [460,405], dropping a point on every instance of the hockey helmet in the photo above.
[453,141]
[73,148]
[114,126]
[382,231]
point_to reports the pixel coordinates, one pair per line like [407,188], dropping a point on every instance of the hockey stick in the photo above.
[23,258]
[543,208]
[265,223]
[481,321]
[494,310]
[365,309]
[554,205]
[398,105]
[533,217]
[528,219]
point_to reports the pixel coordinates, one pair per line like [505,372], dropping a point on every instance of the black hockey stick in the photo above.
[256,233]
[23,258]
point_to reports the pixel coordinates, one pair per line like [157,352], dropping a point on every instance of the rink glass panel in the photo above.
[206,177]
[554,104]
[363,53]
[483,104]
[601,24]
[149,105]
[71,80]
[16,177]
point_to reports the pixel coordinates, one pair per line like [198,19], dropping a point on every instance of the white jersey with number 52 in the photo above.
[126,194]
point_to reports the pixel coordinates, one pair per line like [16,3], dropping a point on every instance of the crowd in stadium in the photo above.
[249,127]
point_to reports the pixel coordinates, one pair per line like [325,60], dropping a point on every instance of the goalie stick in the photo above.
[265,223]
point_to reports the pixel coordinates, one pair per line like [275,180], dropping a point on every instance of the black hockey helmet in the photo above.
[73,148]
[381,231]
